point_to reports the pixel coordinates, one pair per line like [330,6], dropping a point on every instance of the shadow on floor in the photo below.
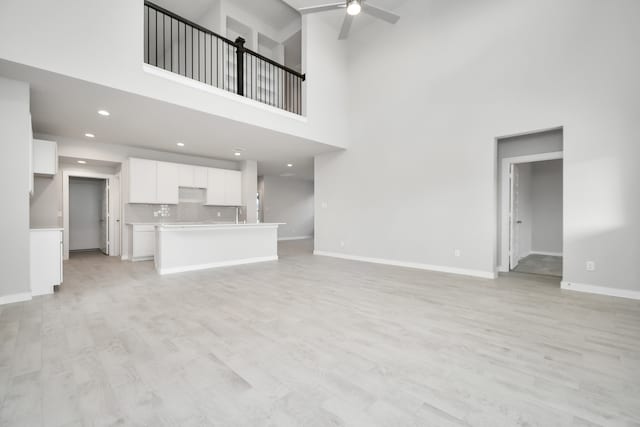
[289,248]
[546,265]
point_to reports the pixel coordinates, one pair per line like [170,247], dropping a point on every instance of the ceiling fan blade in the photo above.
[385,15]
[346,27]
[322,8]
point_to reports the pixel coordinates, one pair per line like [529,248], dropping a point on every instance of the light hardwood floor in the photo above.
[314,341]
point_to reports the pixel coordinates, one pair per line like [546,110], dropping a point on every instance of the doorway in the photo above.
[91,212]
[530,204]
[535,217]
[88,215]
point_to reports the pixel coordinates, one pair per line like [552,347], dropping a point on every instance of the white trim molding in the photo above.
[600,290]
[184,269]
[416,265]
[10,299]
[545,253]
[284,239]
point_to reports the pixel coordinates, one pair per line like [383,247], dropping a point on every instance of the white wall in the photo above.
[288,200]
[93,31]
[85,211]
[14,179]
[419,177]
[525,209]
[546,204]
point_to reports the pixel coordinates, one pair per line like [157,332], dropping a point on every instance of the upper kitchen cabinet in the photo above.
[45,157]
[167,181]
[215,187]
[224,187]
[233,188]
[192,176]
[153,182]
[142,181]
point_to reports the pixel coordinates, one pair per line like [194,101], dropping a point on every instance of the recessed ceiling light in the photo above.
[89,135]
[82,162]
[180,144]
[237,153]
[289,165]
[104,113]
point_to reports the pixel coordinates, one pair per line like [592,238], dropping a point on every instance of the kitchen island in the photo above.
[189,247]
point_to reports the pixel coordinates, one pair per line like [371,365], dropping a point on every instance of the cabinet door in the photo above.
[144,244]
[200,177]
[167,181]
[215,187]
[232,188]
[142,181]
[45,157]
[186,175]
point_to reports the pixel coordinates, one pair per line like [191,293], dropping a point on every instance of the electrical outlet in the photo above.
[324,205]
[342,243]
[591,266]
[457,252]
[219,214]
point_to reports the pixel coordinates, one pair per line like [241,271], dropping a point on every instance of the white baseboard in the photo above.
[419,266]
[284,239]
[503,269]
[600,290]
[174,270]
[546,253]
[9,299]
[42,292]
[142,258]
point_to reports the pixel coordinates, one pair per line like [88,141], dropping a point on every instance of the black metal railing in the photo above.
[186,48]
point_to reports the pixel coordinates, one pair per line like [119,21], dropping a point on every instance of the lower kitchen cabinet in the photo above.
[143,242]
[46,260]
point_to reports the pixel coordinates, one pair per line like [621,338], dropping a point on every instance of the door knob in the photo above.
[518,222]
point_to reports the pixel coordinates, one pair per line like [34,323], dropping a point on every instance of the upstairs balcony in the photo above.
[175,44]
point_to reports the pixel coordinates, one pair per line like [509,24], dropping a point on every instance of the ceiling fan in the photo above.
[354,7]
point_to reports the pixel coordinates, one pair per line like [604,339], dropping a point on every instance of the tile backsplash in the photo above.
[190,209]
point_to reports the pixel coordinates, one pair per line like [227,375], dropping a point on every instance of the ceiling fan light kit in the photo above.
[353,7]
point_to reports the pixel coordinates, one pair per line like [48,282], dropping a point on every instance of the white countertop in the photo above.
[46,229]
[180,223]
[195,226]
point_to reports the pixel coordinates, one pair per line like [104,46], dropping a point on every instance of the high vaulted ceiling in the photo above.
[276,13]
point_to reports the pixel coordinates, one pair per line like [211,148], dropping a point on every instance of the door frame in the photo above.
[114,211]
[505,201]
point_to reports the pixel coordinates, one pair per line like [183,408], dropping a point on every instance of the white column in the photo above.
[250,189]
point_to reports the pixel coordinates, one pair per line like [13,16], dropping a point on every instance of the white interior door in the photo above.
[104,220]
[514,229]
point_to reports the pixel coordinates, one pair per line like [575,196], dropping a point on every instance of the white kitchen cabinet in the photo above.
[142,181]
[167,180]
[143,242]
[233,188]
[186,176]
[215,187]
[224,187]
[45,157]
[192,176]
[45,260]
[200,177]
